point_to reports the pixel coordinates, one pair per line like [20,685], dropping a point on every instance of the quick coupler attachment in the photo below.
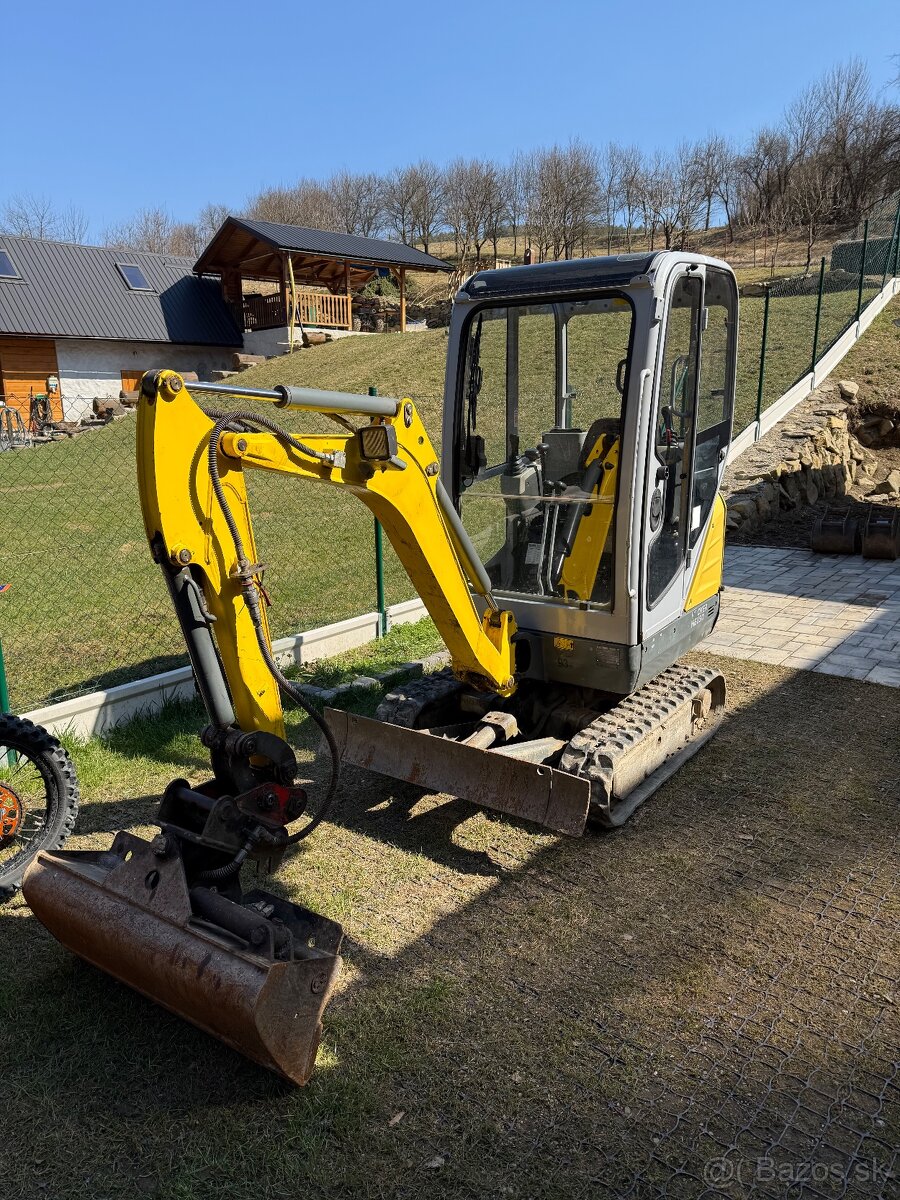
[253,970]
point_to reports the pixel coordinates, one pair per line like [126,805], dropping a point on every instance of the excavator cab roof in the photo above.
[573,274]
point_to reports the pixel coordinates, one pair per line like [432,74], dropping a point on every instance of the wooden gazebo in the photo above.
[299,260]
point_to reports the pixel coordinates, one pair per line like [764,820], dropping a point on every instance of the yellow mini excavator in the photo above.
[569,551]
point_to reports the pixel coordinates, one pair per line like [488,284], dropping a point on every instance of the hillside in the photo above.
[397,364]
[413,364]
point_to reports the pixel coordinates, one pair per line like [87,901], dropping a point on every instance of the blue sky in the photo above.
[114,107]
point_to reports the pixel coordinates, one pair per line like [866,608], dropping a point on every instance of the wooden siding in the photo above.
[131,380]
[25,366]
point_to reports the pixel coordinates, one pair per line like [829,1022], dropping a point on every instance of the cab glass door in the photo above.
[715,400]
[669,517]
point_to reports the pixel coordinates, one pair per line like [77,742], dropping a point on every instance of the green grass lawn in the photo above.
[89,609]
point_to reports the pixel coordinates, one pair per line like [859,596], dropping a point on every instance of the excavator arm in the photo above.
[169,917]
[198,523]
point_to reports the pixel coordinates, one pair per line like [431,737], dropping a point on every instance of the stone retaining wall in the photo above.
[809,456]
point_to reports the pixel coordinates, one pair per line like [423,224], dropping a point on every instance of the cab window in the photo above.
[542,397]
[673,437]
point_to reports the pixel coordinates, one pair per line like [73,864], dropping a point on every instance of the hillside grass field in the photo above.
[88,608]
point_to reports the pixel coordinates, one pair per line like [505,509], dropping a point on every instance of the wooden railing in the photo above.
[264,312]
[313,308]
[323,308]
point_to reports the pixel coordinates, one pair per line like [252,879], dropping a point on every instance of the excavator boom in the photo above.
[388,463]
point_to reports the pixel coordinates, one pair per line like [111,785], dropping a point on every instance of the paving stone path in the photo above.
[839,615]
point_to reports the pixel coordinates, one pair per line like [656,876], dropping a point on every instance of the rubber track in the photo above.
[404,705]
[593,752]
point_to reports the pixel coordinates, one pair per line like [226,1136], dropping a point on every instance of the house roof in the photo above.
[256,246]
[71,291]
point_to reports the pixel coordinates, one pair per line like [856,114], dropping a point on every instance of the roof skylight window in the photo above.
[134,277]
[7,270]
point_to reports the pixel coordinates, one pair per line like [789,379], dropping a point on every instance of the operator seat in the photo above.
[607,428]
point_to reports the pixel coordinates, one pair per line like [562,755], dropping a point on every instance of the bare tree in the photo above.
[151,230]
[73,224]
[648,190]
[30,215]
[358,202]
[630,166]
[210,220]
[811,199]
[399,199]
[563,198]
[726,182]
[610,189]
[185,240]
[514,185]
[426,201]
[469,191]
[499,205]
[707,164]
[861,138]
[307,203]
[277,204]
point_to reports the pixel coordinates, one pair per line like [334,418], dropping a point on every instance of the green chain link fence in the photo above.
[789,328]
[87,609]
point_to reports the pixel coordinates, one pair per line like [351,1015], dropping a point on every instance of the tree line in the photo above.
[834,152]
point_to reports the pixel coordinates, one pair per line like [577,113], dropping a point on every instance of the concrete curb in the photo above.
[370,683]
[87,716]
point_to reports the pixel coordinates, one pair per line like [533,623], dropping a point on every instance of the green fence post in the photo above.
[379,567]
[8,758]
[892,250]
[4,687]
[818,315]
[862,268]
[762,358]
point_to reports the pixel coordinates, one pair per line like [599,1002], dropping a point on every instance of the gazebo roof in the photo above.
[256,248]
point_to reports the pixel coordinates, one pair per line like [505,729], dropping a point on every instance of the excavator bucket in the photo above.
[256,973]
[493,778]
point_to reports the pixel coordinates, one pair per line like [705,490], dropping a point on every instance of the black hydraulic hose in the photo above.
[218,874]
[251,595]
[224,420]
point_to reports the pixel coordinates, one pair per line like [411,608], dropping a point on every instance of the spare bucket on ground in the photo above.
[255,971]
[836,533]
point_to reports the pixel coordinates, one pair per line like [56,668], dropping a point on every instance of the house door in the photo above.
[26,367]
[131,380]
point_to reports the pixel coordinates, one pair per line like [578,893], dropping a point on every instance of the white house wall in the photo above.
[91,369]
[270,342]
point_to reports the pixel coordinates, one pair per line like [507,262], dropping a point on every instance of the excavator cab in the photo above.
[587,447]
[569,551]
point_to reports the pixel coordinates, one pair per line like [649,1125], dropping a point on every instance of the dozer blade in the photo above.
[258,984]
[491,778]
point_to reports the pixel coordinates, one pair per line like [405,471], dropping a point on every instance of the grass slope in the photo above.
[89,609]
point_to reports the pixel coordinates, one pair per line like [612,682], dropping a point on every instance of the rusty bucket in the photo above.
[256,972]
[881,534]
[836,533]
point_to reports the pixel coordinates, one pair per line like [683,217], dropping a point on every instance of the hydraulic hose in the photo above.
[220,874]
[246,573]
